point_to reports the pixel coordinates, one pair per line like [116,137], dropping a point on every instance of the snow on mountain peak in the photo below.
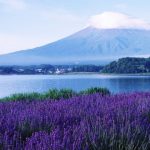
[114,20]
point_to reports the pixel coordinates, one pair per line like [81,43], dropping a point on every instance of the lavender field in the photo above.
[87,122]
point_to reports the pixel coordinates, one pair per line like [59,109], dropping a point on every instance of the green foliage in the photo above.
[128,65]
[58,94]
[24,97]
[54,94]
[93,90]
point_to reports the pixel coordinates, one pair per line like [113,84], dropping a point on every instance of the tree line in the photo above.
[128,65]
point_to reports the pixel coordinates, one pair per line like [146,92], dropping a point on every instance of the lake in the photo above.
[10,84]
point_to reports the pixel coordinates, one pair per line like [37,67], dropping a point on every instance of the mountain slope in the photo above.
[87,46]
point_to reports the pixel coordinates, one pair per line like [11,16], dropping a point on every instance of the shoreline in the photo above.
[126,74]
[84,73]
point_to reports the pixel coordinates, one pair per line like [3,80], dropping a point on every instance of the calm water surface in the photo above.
[39,83]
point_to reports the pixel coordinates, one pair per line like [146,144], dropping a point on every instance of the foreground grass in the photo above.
[54,94]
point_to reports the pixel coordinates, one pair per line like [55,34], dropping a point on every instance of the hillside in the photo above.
[89,46]
[128,65]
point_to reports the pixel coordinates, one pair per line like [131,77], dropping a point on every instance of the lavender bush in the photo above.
[90,122]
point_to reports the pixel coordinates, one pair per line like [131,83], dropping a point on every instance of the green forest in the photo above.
[128,65]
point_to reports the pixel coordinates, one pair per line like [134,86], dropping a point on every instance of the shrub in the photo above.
[23,97]
[94,90]
[67,93]
[58,94]
[54,94]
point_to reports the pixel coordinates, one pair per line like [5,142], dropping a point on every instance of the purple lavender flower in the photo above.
[80,123]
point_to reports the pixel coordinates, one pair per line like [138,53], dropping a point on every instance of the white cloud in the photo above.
[110,20]
[13,4]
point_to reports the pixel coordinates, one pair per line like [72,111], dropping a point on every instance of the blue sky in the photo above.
[31,23]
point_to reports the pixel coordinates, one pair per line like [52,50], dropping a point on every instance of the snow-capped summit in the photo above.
[115,20]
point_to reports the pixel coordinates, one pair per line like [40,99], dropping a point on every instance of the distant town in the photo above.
[121,66]
[48,69]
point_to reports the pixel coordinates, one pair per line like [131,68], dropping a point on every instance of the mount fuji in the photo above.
[91,45]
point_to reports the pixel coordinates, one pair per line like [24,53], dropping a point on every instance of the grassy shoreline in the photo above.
[54,94]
